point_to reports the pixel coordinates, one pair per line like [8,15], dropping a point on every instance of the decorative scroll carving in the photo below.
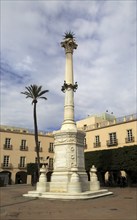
[69,86]
[69,149]
[65,138]
[69,45]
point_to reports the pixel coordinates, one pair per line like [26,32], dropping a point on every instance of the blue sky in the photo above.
[104,62]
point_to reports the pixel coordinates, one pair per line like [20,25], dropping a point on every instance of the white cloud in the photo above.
[25,65]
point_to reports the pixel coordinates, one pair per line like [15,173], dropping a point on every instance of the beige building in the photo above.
[17,149]
[105,131]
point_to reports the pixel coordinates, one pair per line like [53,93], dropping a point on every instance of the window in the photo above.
[51,147]
[112,139]
[36,159]
[22,162]
[97,141]
[85,126]
[7,144]
[129,137]
[50,163]
[85,143]
[23,145]
[40,148]
[6,161]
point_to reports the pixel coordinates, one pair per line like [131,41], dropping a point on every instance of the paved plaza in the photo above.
[122,205]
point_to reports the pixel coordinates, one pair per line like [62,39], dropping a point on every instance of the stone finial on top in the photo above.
[93,174]
[93,169]
[69,42]
[94,183]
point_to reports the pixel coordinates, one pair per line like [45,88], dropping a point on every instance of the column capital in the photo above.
[69,44]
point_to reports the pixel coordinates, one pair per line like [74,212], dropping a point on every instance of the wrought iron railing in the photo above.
[24,148]
[111,143]
[40,149]
[129,139]
[97,144]
[22,166]
[8,147]
[6,166]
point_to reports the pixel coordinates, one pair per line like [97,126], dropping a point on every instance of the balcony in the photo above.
[7,147]
[111,143]
[129,139]
[97,144]
[51,150]
[6,166]
[24,148]
[22,166]
[40,149]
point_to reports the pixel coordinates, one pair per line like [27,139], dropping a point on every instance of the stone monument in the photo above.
[69,179]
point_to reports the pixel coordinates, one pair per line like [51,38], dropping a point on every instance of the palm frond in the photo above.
[34,92]
[43,92]
[39,89]
[43,97]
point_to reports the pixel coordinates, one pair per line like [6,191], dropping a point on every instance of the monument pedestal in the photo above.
[69,179]
[68,159]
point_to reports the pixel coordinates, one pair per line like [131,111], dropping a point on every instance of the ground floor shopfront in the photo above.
[108,178]
[8,177]
[116,178]
[15,177]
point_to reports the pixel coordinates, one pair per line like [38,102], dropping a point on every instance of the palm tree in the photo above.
[35,92]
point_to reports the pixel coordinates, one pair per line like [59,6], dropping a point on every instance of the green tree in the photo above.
[35,92]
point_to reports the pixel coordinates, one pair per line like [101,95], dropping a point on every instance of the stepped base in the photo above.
[69,196]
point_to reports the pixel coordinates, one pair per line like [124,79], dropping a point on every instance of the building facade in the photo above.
[17,149]
[105,131]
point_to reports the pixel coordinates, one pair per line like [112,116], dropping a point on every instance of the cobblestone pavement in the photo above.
[122,205]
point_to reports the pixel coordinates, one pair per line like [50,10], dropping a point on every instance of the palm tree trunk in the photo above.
[36,137]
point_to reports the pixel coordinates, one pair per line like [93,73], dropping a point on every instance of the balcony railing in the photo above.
[22,166]
[129,139]
[40,149]
[111,143]
[97,144]
[6,166]
[7,147]
[24,148]
[51,150]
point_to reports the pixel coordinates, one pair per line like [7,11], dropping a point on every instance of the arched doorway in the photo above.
[113,178]
[21,177]
[8,173]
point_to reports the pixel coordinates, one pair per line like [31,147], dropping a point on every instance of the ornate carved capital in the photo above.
[69,44]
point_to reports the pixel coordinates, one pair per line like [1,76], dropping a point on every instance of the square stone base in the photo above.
[69,196]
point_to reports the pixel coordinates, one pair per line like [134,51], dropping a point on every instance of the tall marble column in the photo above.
[68,142]
[69,87]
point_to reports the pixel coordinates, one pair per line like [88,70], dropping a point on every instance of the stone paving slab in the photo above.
[122,205]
